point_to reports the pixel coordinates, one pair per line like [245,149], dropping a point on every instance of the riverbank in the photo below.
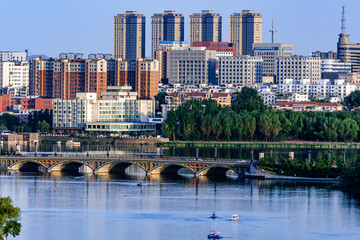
[284,144]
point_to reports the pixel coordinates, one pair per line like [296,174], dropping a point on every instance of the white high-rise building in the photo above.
[242,70]
[270,52]
[298,68]
[10,56]
[14,77]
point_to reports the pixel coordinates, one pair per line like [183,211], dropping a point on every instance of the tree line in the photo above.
[250,119]
[38,121]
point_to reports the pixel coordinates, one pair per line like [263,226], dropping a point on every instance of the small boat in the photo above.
[214,215]
[214,235]
[140,184]
[235,218]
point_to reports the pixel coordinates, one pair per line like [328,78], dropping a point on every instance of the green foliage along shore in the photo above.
[323,168]
[249,119]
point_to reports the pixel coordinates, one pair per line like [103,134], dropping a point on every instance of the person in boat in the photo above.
[214,215]
[140,184]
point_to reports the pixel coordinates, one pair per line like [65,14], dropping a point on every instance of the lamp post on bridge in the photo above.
[215,151]
[252,156]
[197,153]
[35,149]
[141,147]
[107,149]
[161,150]
[87,149]
[345,153]
[55,149]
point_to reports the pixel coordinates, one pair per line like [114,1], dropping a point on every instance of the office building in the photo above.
[129,35]
[205,27]
[245,29]
[193,66]
[269,53]
[324,55]
[334,66]
[119,107]
[162,57]
[240,70]
[14,77]
[298,68]
[348,52]
[141,74]
[168,26]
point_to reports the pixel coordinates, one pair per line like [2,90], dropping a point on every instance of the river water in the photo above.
[62,206]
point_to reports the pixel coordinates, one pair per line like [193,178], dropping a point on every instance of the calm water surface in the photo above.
[58,206]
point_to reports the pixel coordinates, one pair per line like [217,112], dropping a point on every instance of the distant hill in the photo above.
[36,56]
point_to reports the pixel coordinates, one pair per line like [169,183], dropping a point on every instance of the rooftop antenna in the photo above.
[343,20]
[273,31]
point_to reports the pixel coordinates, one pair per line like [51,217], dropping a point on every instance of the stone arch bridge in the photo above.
[108,164]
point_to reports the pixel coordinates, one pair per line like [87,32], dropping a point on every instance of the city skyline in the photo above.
[318,31]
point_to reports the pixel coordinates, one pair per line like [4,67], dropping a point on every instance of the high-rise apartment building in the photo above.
[240,71]
[96,76]
[193,66]
[167,26]
[270,52]
[298,68]
[10,56]
[245,29]
[129,35]
[68,77]
[41,77]
[14,77]
[205,27]
[141,74]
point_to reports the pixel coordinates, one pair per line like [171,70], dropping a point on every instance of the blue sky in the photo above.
[53,26]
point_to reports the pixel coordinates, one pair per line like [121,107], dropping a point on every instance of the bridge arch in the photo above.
[119,166]
[70,166]
[170,168]
[27,166]
[216,170]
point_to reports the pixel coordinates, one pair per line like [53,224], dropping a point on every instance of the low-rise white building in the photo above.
[322,89]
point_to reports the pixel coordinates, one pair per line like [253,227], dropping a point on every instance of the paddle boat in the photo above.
[214,215]
[234,218]
[214,235]
[140,184]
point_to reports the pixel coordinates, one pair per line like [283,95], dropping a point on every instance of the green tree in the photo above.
[169,127]
[160,97]
[9,121]
[249,100]
[9,218]
[353,100]
[43,126]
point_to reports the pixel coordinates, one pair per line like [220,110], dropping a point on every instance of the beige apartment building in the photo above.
[205,27]
[245,29]
[129,35]
[167,26]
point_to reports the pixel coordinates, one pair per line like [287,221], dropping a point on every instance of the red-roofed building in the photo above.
[20,103]
[308,106]
[223,49]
